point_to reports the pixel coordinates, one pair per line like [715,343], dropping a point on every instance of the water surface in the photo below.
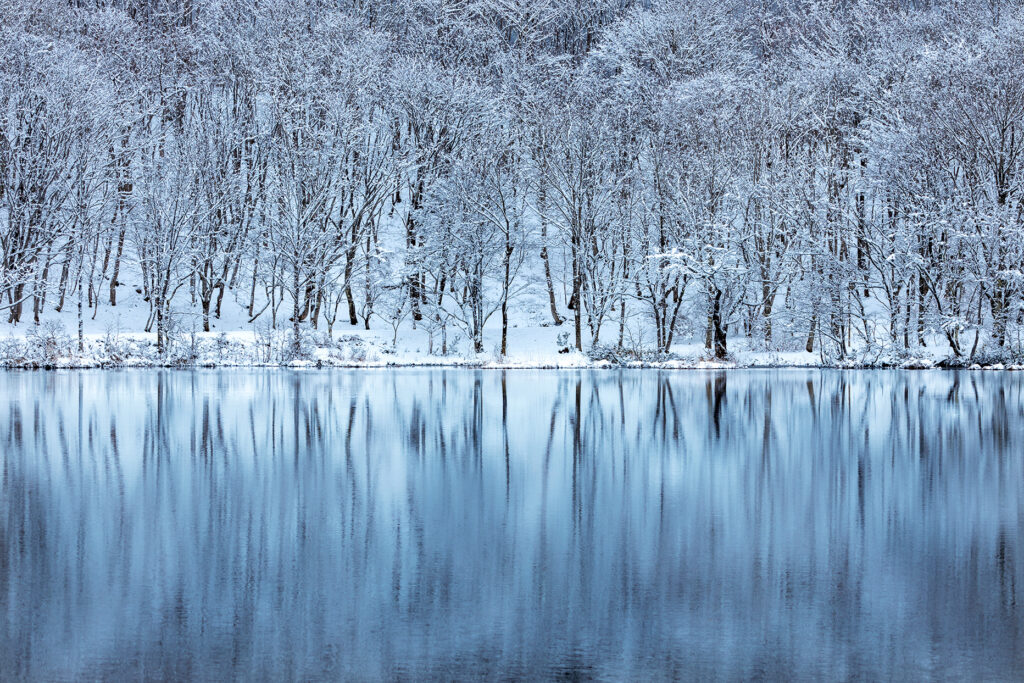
[455,524]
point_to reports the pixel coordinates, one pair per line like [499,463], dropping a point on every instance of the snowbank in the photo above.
[50,347]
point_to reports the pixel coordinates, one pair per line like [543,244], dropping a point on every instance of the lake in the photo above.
[410,524]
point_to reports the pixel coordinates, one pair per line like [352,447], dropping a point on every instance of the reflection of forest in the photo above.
[454,523]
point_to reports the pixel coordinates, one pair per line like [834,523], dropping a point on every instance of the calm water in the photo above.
[458,524]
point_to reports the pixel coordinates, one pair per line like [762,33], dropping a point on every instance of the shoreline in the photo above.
[58,351]
[471,364]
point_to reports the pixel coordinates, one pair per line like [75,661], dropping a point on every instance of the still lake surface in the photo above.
[391,524]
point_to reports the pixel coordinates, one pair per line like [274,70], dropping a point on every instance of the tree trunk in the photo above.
[998,303]
[220,300]
[577,287]
[558,320]
[62,286]
[17,296]
[296,331]
[719,330]
[350,300]
[205,302]
[504,296]
[117,267]
[81,324]
[160,339]
[252,288]
[766,312]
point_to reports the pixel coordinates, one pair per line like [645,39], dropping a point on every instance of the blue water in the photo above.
[454,524]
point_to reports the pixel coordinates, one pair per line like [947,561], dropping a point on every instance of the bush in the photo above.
[618,355]
[12,352]
[49,342]
[272,346]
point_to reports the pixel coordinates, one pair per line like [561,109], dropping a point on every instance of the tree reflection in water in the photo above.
[381,524]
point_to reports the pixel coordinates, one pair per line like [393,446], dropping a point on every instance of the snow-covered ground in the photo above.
[112,338]
[55,345]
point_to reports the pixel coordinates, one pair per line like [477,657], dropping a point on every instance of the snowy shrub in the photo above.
[12,352]
[563,342]
[620,355]
[353,348]
[49,341]
[992,355]
[276,346]
[112,346]
[221,345]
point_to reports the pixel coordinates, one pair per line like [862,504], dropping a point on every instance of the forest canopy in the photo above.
[824,175]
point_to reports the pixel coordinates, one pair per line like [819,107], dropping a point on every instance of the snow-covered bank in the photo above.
[114,339]
[51,347]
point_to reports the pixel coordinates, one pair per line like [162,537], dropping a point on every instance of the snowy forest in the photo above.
[825,176]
